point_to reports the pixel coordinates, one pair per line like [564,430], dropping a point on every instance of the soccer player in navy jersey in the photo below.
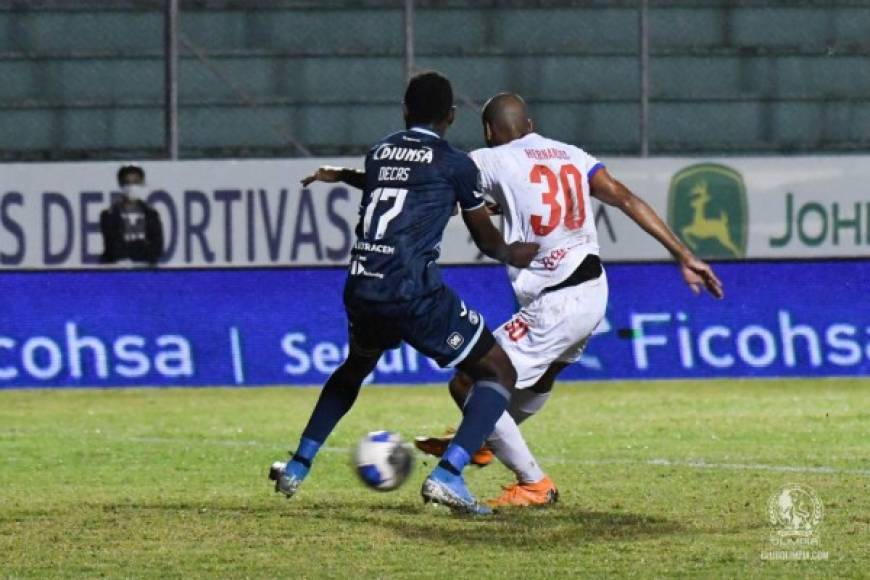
[412,182]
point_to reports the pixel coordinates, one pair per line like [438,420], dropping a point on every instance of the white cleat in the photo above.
[458,500]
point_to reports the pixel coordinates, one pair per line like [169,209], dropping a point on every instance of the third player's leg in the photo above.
[527,402]
[485,398]
[461,383]
[442,327]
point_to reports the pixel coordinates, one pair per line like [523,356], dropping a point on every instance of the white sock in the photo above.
[509,446]
[525,403]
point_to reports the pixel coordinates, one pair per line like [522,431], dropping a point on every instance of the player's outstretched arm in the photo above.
[696,273]
[490,241]
[352,177]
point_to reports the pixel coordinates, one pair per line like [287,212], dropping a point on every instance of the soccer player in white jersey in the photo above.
[543,188]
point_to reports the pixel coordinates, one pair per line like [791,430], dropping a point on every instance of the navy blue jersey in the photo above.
[414,179]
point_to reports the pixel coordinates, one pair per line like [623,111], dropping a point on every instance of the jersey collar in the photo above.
[425,131]
[528,136]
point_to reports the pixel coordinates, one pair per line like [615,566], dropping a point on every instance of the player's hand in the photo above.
[326,174]
[699,274]
[521,254]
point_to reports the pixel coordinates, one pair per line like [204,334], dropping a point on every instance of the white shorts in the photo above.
[555,327]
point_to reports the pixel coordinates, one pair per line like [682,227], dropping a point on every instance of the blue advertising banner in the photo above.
[264,327]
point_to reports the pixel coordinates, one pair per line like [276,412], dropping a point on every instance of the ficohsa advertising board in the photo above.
[287,327]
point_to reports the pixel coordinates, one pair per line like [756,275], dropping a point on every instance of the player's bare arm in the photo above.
[490,241]
[328,174]
[696,273]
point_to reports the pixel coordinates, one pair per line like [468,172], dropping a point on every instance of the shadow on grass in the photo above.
[558,525]
[279,508]
[561,525]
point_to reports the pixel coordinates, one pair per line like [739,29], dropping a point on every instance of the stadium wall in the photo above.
[251,291]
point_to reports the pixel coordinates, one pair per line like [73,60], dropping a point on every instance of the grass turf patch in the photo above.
[656,479]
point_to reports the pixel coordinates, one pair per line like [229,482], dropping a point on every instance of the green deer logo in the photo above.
[707,210]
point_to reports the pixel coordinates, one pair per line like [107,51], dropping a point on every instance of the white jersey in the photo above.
[542,186]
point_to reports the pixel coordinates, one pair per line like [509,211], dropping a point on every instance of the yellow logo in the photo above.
[707,210]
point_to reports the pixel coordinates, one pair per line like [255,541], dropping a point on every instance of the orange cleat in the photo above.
[540,493]
[438,445]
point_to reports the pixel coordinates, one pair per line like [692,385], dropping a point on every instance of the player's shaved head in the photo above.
[505,118]
[505,110]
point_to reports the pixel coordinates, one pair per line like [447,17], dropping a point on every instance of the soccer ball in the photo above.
[383,461]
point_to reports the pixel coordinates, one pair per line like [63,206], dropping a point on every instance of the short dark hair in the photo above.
[428,98]
[128,169]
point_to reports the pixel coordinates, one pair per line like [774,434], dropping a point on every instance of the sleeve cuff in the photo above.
[594,170]
[478,206]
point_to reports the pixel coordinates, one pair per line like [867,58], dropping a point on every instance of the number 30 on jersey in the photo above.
[574,210]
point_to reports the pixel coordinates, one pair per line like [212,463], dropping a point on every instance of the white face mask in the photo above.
[136,191]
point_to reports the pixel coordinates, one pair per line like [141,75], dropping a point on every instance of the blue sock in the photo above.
[337,397]
[447,469]
[306,451]
[299,466]
[487,401]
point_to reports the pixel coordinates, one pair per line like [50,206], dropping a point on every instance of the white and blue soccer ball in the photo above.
[383,460]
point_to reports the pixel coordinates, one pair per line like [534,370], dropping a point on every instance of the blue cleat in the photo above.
[444,488]
[287,476]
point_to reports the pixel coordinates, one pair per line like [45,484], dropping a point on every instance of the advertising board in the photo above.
[229,214]
[287,327]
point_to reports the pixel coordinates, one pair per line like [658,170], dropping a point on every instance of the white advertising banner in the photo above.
[233,213]
[759,207]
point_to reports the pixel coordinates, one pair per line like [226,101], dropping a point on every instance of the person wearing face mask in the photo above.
[131,229]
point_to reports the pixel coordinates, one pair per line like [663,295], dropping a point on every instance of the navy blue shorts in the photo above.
[438,325]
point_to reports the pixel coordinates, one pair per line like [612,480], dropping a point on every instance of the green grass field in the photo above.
[657,479]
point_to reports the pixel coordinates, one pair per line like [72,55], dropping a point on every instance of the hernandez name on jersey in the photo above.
[542,186]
